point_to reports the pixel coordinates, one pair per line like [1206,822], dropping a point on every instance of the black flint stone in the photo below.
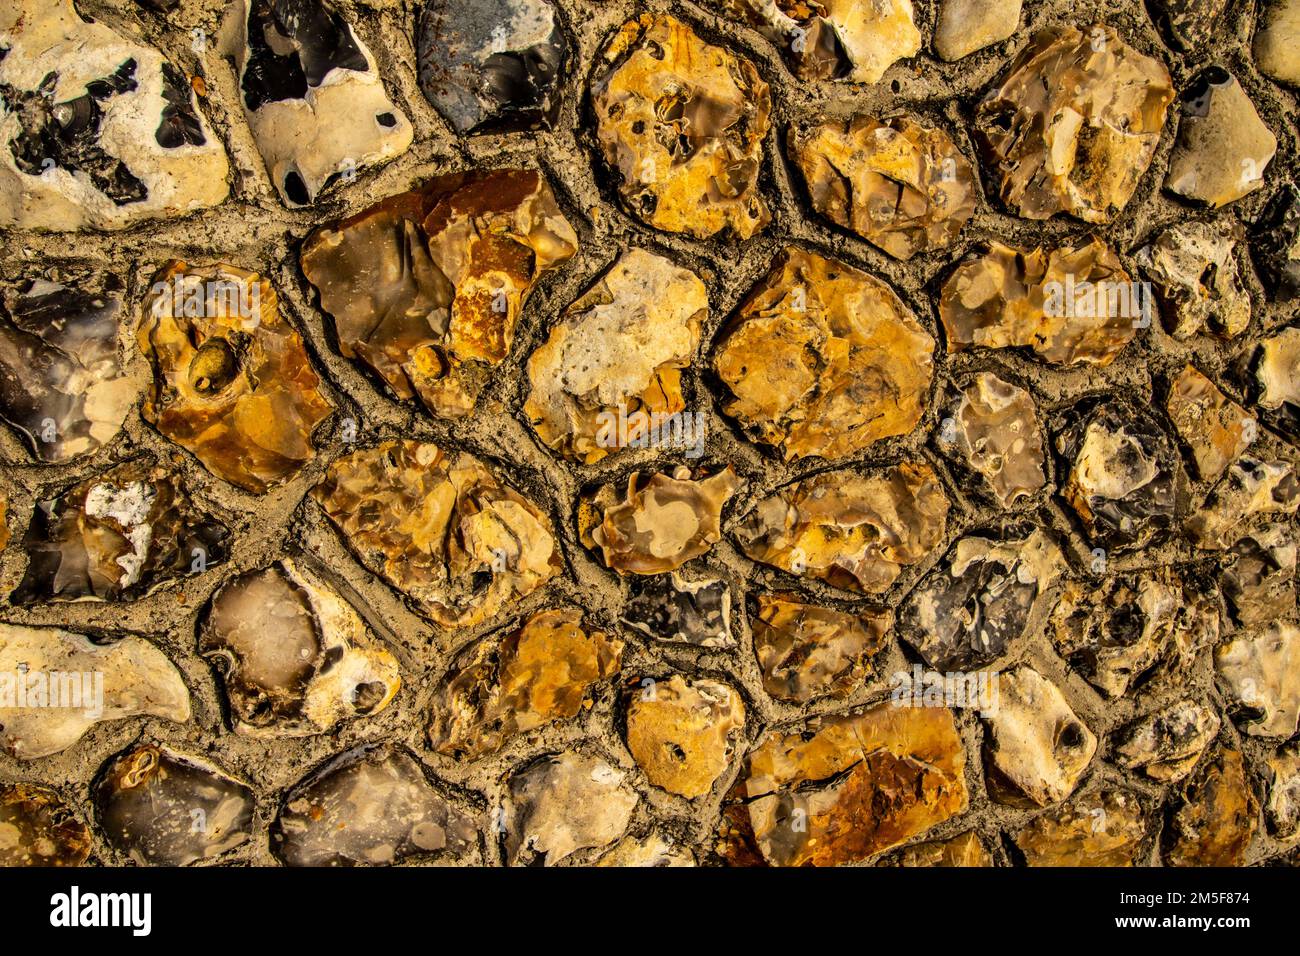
[292,46]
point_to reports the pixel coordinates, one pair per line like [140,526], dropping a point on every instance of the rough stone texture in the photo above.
[684,734]
[1167,745]
[1214,821]
[853,786]
[965,851]
[1101,828]
[1237,585]
[824,359]
[1074,124]
[1263,679]
[682,122]
[900,185]
[1223,146]
[807,652]
[991,430]
[38,829]
[965,26]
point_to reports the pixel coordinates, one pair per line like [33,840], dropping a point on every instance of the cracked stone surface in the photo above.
[815,365]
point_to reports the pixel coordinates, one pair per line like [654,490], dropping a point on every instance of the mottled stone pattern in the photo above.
[587,432]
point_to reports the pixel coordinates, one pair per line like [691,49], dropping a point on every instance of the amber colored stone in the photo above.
[653,850]
[1258,575]
[1037,749]
[1057,302]
[900,185]
[426,287]
[232,380]
[118,536]
[682,124]
[833,39]
[1276,368]
[616,355]
[1215,427]
[824,359]
[38,829]
[683,733]
[1223,146]
[854,531]
[991,429]
[848,787]
[1283,806]
[1074,123]
[806,651]
[966,850]
[1214,821]
[1100,828]
[503,686]
[295,657]
[439,527]
[660,522]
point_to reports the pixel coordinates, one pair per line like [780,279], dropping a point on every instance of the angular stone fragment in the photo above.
[163,808]
[1117,631]
[1214,426]
[439,527]
[660,522]
[1124,475]
[851,786]
[492,65]
[539,673]
[97,131]
[824,359]
[683,734]
[1099,828]
[1074,124]
[1283,806]
[63,380]
[295,658]
[853,531]
[806,651]
[312,96]
[1223,146]
[679,610]
[1258,578]
[833,39]
[615,357]
[992,431]
[1251,488]
[117,537]
[1262,674]
[1276,367]
[1036,748]
[39,829]
[1072,306]
[682,123]
[1275,41]
[968,25]
[966,850]
[369,806]
[426,287]
[1187,24]
[1276,244]
[232,380]
[900,185]
[563,803]
[652,851]
[1197,279]
[1166,745]
[55,685]
[967,611]
[1214,821]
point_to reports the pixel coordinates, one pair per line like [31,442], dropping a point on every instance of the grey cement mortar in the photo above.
[253,230]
